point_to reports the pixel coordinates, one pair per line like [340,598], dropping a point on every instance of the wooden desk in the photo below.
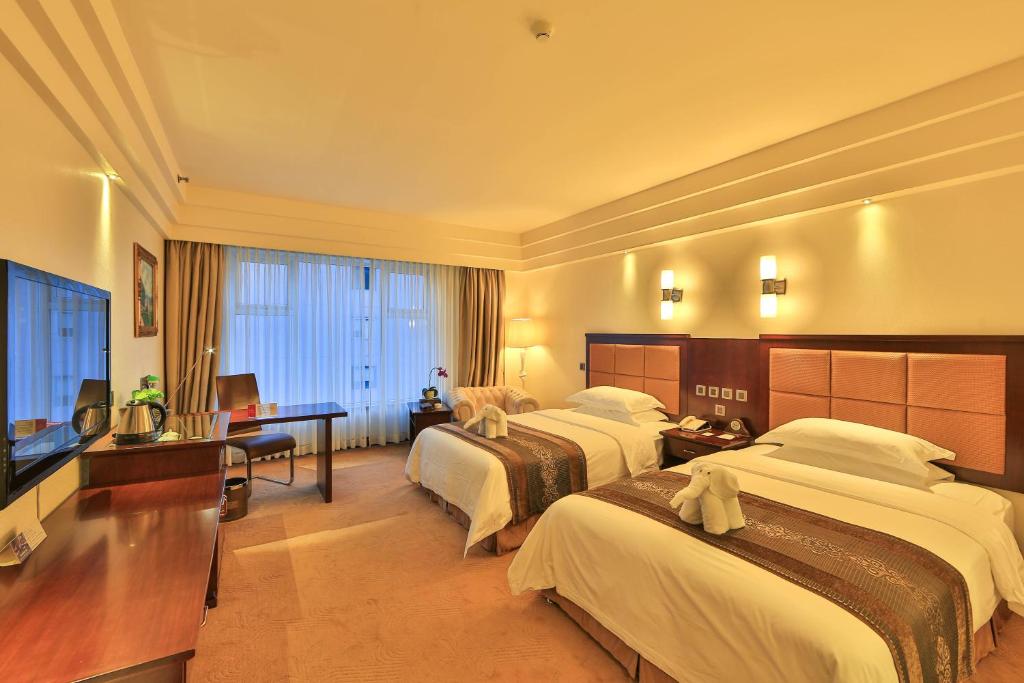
[117,589]
[324,413]
[107,464]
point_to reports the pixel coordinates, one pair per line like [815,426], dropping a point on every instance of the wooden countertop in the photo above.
[120,581]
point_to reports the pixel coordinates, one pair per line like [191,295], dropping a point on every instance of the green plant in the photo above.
[147,395]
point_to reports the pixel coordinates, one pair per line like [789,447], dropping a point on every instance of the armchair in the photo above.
[513,400]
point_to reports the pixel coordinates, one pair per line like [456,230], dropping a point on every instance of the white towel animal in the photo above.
[712,498]
[490,421]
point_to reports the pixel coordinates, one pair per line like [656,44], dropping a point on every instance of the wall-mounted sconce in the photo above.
[771,287]
[520,335]
[669,294]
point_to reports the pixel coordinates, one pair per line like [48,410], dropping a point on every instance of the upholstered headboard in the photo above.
[958,400]
[653,364]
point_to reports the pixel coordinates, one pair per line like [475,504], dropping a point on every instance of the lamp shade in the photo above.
[769,270]
[520,333]
[668,279]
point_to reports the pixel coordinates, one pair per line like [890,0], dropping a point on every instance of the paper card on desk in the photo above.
[266,410]
[23,428]
[21,546]
[727,437]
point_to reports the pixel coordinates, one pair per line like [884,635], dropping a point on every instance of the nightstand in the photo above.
[420,419]
[681,446]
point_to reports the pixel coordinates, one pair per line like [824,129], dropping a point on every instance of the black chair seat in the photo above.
[262,443]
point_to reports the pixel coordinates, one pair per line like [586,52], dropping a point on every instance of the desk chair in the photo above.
[240,391]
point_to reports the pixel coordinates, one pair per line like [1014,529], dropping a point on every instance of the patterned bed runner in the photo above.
[541,467]
[912,598]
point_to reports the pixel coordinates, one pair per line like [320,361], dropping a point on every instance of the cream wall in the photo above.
[57,213]
[945,261]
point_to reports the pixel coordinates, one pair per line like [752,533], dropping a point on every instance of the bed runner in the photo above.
[541,467]
[916,601]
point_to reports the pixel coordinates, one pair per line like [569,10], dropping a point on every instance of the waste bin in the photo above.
[236,499]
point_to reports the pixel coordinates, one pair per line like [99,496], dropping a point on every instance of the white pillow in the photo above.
[913,473]
[638,418]
[615,398]
[988,501]
[855,439]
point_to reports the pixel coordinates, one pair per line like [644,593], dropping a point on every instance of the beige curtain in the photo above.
[193,286]
[482,336]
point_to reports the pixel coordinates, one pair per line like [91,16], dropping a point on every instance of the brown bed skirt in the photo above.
[510,537]
[642,670]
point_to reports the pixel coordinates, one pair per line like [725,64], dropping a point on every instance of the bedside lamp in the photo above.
[520,336]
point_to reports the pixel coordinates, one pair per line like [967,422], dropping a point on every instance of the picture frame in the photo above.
[147,291]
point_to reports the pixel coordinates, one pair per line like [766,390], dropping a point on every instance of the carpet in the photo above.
[373,587]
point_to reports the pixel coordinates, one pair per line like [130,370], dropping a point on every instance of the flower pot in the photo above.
[430,392]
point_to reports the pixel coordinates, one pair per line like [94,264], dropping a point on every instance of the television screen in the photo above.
[57,372]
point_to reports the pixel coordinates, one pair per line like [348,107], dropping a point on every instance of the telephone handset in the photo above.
[693,424]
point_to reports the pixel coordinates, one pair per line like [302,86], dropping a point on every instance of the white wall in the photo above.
[945,261]
[59,214]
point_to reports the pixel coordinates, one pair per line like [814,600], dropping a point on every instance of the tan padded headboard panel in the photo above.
[652,369]
[957,401]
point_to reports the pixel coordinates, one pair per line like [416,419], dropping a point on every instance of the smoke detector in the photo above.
[542,30]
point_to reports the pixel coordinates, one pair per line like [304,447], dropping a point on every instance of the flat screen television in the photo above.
[54,373]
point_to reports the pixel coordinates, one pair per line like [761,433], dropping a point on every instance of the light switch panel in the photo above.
[583,366]
[702,390]
[727,393]
[713,392]
[741,395]
[719,410]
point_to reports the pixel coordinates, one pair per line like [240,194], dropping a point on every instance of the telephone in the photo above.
[693,424]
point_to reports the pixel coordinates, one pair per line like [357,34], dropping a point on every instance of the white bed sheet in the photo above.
[702,614]
[474,480]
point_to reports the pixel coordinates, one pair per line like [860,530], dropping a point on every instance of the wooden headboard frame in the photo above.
[875,390]
[633,373]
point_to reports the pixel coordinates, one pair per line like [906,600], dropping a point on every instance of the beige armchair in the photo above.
[466,401]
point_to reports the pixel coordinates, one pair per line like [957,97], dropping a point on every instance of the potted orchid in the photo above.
[431,393]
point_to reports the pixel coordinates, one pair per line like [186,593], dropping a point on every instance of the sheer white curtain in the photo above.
[362,332]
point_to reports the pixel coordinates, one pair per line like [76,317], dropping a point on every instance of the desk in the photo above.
[198,451]
[117,589]
[323,413]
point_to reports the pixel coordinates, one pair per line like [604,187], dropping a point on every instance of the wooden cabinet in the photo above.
[198,451]
[118,590]
[681,446]
[420,419]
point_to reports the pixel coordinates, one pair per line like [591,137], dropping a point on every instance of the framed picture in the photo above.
[146,291]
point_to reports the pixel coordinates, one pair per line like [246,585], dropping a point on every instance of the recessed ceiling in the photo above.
[451,110]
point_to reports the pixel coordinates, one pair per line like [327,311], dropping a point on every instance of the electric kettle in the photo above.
[137,425]
[90,419]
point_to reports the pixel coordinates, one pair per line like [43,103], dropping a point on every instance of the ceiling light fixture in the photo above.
[867,201]
[542,30]
[112,176]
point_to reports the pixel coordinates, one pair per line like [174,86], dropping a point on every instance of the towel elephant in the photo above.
[712,498]
[490,421]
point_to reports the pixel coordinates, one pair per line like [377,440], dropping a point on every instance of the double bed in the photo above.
[467,478]
[858,562]
[677,606]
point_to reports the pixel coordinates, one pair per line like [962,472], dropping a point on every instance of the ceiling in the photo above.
[450,110]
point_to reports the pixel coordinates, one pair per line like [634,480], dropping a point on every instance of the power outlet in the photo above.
[702,390]
[583,366]
[741,395]
[719,410]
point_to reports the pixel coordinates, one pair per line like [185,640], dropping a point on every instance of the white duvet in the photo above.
[474,480]
[701,614]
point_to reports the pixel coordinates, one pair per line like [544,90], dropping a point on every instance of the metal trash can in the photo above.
[236,499]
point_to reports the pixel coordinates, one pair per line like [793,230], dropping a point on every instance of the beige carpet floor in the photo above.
[373,587]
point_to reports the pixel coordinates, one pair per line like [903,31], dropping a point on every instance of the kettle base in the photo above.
[130,439]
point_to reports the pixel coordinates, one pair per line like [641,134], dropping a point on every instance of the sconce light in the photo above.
[669,294]
[771,287]
[520,335]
